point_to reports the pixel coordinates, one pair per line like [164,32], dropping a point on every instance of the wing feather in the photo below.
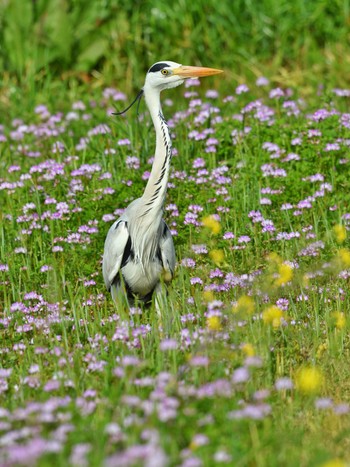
[116,244]
[167,250]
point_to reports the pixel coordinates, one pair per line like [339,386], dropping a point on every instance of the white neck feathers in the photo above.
[155,190]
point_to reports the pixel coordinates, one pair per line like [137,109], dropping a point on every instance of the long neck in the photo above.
[155,191]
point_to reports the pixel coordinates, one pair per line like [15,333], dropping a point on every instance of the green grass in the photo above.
[78,338]
[293,43]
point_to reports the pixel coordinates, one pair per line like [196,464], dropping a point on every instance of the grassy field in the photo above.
[248,365]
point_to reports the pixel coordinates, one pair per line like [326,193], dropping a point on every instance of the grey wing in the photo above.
[116,248]
[167,251]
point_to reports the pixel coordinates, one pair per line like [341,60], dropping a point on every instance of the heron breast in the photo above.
[141,279]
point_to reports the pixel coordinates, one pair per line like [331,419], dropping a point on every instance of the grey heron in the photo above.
[139,251]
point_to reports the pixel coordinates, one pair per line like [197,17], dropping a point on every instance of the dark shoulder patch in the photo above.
[166,230]
[159,256]
[119,222]
[157,67]
[127,252]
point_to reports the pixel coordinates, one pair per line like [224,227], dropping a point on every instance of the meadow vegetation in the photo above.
[248,364]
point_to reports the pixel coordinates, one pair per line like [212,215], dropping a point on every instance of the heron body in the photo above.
[139,251]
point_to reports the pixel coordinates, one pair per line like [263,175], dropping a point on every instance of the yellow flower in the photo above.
[340,233]
[340,320]
[208,295]
[274,258]
[166,275]
[211,223]
[213,323]
[217,256]
[244,305]
[334,463]
[344,257]
[306,280]
[272,315]
[321,349]
[285,272]
[309,380]
[248,349]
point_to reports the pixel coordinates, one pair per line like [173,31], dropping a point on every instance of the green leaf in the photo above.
[92,54]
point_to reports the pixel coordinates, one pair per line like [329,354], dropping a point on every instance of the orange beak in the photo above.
[195,71]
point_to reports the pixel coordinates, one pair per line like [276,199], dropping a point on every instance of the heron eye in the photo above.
[164,72]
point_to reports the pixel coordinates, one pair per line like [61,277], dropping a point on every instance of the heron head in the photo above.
[167,74]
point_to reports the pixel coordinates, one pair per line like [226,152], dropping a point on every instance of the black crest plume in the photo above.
[137,98]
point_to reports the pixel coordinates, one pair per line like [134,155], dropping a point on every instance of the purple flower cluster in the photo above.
[70,359]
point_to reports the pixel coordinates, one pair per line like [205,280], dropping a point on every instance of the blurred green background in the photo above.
[117,40]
